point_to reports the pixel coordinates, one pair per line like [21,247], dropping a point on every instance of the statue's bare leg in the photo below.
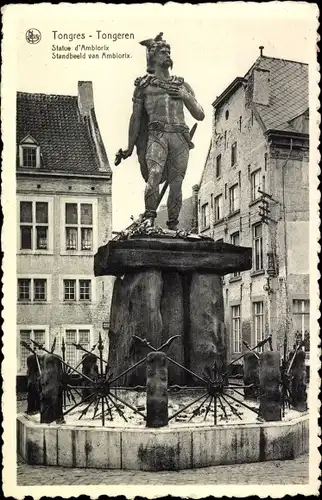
[156,156]
[177,165]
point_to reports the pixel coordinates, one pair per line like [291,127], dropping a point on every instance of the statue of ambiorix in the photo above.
[158,129]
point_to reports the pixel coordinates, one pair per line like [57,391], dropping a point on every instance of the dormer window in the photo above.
[29,153]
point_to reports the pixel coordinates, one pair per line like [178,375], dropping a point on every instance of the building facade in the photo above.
[188,218]
[64,213]
[254,192]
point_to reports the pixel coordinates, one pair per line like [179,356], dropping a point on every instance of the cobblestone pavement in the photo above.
[277,472]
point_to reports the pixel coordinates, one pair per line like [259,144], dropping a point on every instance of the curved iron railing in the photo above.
[104,399]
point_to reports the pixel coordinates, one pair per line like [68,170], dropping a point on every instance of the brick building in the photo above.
[254,192]
[64,207]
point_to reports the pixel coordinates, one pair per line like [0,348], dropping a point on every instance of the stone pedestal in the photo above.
[298,382]
[156,389]
[270,378]
[251,375]
[51,399]
[33,385]
[164,287]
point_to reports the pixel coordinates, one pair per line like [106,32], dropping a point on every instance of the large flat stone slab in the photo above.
[120,257]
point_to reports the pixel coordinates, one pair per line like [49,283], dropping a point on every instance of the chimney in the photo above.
[87,111]
[261,86]
[85,98]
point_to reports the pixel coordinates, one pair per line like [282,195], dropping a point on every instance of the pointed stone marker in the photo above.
[298,384]
[251,375]
[269,379]
[157,389]
[51,399]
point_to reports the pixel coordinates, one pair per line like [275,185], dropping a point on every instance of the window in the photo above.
[240,123]
[76,335]
[84,289]
[205,216]
[218,208]
[79,226]
[255,184]
[77,290]
[69,289]
[257,247]
[234,198]
[32,290]
[218,166]
[233,154]
[258,315]
[39,289]
[29,156]
[227,114]
[236,328]
[26,335]
[24,289]
[301,321]
[33,225]
[234,240]
[29,153]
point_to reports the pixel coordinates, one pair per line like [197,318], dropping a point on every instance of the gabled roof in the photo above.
[289,92]
[229,90]
[64,137]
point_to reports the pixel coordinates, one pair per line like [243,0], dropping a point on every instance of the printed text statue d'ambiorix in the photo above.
[158,129]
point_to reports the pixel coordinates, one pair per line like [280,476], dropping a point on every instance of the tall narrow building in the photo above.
[64,213]
[254,192]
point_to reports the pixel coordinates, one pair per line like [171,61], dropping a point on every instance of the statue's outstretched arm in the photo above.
[191,102]
[135,121]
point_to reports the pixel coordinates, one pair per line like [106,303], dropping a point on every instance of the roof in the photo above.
[289,92]
[55,122]
[228,91]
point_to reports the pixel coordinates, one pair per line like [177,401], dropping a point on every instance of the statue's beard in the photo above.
[167,64]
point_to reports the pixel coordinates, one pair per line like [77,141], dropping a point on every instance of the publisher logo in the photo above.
[33,36]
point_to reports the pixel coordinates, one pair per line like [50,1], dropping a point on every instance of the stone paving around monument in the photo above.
[275,472]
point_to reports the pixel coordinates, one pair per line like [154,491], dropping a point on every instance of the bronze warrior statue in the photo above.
[157,128]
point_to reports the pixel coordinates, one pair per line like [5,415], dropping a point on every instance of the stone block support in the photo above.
[269,379]
[33,385]
[251,375]
[51,399]
[298,382]
[157,389]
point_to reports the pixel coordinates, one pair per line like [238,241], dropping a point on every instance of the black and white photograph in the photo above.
[160,249]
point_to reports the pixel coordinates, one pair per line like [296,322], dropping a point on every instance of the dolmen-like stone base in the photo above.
[164,287]
[167,448]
